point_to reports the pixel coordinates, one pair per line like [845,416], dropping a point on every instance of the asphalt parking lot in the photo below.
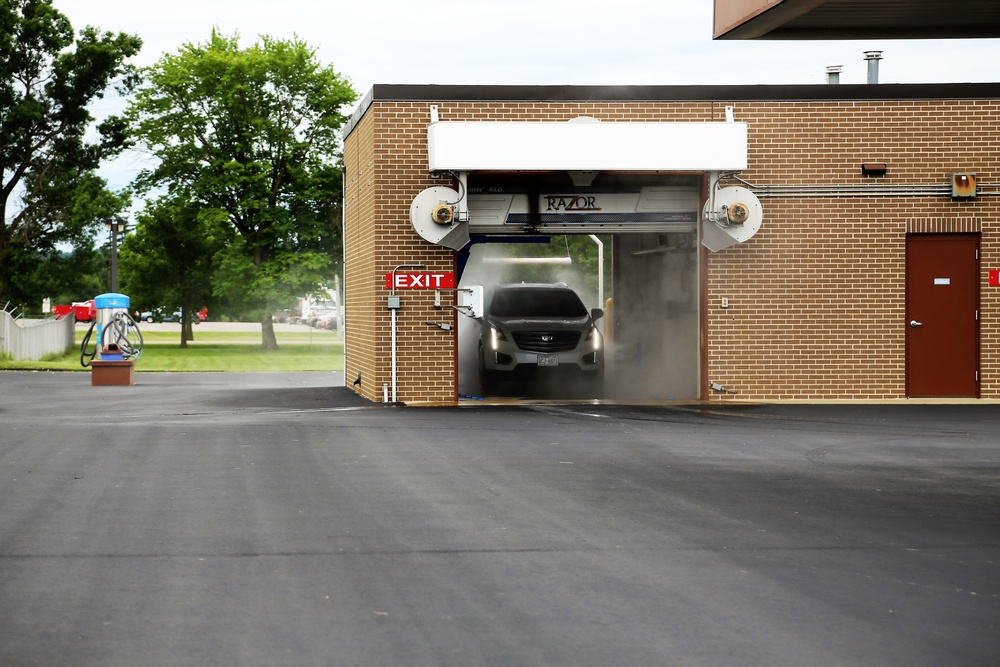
[277,519]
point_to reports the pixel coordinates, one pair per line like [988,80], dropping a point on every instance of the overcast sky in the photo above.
[528,42]
[624,42]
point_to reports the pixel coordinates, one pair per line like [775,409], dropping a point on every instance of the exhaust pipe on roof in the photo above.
[873,57]
[833,73]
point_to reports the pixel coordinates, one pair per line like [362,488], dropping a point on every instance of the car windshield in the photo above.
[526,302]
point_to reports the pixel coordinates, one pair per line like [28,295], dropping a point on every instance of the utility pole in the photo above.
[115,226]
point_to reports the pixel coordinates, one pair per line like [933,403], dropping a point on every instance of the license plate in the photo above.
[548,360]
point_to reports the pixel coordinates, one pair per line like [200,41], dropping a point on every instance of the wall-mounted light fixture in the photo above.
[963,185]
[874,168]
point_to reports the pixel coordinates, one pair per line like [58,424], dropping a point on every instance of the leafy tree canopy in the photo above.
[252,135]
[49,193]
[167,262]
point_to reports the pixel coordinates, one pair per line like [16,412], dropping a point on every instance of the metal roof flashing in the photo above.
[436,94]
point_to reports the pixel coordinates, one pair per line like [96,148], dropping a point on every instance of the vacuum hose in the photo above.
[122,332]
[86,356]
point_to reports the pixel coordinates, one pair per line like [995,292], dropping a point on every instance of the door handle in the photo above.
[914,323]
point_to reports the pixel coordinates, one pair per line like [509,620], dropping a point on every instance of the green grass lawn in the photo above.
[215,351]
[314,337]
[240,357]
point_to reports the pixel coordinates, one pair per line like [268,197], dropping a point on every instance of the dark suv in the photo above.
[540,329]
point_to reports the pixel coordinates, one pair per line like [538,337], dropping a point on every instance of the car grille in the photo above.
[547,341]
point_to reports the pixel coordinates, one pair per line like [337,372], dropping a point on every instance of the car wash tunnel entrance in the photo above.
[578,249]
[624,244]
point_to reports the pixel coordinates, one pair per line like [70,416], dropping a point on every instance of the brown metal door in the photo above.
[942,315]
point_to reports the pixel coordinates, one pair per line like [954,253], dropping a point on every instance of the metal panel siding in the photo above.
[31,340]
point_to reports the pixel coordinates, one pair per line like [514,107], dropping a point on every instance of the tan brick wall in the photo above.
[361,325]
[385,166]
[817,297]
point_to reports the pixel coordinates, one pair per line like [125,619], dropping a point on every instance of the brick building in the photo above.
[869,276]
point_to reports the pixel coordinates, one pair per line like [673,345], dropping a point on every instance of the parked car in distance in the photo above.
[160,315]
[330,322]
[164,315]
[323,318]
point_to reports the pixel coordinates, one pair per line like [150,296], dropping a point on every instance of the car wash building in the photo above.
[758,242]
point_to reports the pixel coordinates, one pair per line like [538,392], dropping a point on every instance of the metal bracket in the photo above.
[465,310]
[722,216]
[443,326]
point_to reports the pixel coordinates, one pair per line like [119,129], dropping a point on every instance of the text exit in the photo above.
[420,280]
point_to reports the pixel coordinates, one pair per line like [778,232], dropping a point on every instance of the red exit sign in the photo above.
[995,278]
[420,280]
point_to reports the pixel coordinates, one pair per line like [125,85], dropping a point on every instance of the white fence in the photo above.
[30,340]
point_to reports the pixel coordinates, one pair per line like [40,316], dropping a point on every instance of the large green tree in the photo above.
[251,133]
[49,194]
[64,275]
[168,260]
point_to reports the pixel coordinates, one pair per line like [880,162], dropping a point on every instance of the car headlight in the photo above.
[496,336]
[594,336]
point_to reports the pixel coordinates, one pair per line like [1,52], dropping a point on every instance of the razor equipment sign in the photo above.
[571,203]
[420,280]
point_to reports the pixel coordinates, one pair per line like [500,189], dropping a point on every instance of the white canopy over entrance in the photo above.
[464,146]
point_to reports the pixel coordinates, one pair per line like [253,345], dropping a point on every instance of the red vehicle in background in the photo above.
[83,311]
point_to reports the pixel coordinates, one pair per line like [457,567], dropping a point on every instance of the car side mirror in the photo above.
[597,313]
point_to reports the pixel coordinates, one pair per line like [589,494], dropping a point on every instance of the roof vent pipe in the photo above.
[833,73]
[873,57]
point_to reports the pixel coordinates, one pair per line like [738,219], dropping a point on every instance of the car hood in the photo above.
[538,323]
